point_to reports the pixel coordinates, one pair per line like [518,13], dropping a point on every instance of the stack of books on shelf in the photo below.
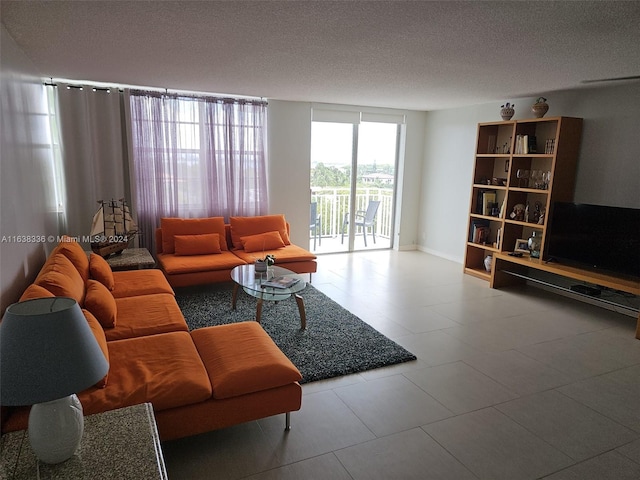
[486,203]
[525,144]
[479,232]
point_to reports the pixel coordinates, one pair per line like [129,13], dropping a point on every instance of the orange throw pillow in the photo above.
[101,303]
[61,278]
[245,226]
[101,271]
[35,291]
[190,226]
[204,244]
[98,332]
[71,249]
[262,241]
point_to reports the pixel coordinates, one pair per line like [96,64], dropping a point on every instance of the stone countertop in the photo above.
[118,444]
[131,259]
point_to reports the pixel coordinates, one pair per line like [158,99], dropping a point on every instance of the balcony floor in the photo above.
[334,244]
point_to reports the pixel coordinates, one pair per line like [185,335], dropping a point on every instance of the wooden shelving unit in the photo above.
[552,146]
[498,158]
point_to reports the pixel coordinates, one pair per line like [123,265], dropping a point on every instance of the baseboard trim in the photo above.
[440,254]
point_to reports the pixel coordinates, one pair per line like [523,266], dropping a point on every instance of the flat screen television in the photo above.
[595,237]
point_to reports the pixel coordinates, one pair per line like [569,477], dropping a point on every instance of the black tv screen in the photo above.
[595,237]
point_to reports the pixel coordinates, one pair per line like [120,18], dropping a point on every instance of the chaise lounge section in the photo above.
[197,381]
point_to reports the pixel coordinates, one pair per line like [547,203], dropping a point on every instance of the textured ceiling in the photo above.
[415,55]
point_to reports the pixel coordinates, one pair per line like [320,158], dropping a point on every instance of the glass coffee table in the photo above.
[245,276]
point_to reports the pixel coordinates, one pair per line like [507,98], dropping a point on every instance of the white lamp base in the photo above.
[56,428]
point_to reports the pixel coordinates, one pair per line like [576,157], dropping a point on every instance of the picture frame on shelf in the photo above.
[522,246]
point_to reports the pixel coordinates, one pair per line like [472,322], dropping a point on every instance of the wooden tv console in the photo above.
[507,270]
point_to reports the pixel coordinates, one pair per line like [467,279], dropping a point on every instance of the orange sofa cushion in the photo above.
[215,413]
[190,226]
[262,242]
[245,226]
[241,358]
[163,369]
[101,271]
[61,278]
[71,249]
[176,264]
[35,291]
[287,254]
[101,303]
[203,244]
[98,332]
[129,283]
[146,315]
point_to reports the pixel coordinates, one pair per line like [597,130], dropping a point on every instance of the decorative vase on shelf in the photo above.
[507,111]
[540,107]
[487,263]
[534,245]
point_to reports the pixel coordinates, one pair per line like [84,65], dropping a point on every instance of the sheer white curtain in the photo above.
[195,156]
[91,146]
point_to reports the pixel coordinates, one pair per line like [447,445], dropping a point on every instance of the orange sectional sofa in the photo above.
[197,381]
[196,251]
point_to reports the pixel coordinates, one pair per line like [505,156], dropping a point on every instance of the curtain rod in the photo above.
[100,86]
[94,86]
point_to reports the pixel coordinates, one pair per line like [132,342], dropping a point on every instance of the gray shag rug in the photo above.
[335,342]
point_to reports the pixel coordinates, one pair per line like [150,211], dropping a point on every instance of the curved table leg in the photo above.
[303,314]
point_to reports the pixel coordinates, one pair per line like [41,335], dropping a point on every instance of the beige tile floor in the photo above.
[509,384]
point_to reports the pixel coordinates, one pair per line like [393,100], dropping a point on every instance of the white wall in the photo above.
[409,182]
[608,166]
[289,127]
[290,157]
[27,206]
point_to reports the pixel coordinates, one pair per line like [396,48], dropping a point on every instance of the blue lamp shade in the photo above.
[47,351]
[47,354]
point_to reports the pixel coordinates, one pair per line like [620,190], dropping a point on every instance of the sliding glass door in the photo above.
[353,170]
[375,185]
[332,149]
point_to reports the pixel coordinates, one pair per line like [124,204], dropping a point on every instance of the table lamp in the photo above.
[47,354]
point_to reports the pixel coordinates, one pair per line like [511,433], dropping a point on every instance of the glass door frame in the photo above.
[353,187]
[355,119]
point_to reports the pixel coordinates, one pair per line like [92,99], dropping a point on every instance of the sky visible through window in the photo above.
[331,144]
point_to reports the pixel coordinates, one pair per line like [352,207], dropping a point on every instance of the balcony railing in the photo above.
[333,205]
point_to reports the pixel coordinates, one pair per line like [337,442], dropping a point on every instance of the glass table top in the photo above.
[253,283]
